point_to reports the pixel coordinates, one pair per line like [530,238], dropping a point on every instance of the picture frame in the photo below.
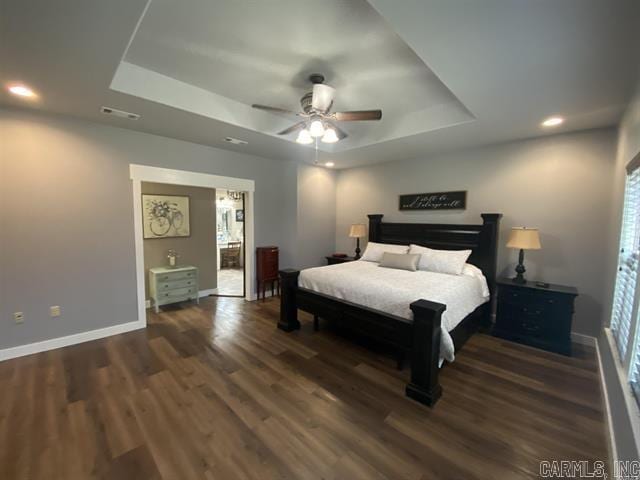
[240,215]
[434,201]
[166,216]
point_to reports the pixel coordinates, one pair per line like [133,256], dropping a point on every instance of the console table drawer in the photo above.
[172,276]
[173,285]
[179,293]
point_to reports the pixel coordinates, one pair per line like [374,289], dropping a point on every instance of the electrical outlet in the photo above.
[18,317]
[54,311]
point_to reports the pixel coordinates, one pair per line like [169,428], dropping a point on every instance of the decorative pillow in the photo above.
[441,261]
[401,261]
[374,251]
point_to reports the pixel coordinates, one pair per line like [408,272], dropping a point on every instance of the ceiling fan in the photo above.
[319,121]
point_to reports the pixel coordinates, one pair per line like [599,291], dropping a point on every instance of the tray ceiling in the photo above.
[225,55]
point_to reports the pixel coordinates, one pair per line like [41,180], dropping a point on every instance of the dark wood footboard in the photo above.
[421,338]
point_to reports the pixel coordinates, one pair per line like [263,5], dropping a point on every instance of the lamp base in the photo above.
[519,278]
[357,256]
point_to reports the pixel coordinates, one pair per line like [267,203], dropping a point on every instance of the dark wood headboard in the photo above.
[482,239]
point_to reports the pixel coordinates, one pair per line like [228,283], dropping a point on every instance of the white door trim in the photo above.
[144,173]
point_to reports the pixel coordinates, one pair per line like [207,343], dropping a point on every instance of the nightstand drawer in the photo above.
[523,296]
[528,320]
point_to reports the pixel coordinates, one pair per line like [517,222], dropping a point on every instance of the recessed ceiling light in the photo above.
[235,141]
[119,113]
[22,91]
[552,122]
[329,164]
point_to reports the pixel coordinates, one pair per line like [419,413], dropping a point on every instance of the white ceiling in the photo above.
[447,74]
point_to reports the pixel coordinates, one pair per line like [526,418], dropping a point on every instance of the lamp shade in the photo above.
[358,230]
[524,238]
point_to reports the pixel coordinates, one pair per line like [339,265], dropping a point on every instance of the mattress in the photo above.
[392,291]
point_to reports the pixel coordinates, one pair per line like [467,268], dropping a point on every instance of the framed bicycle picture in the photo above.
[165,216]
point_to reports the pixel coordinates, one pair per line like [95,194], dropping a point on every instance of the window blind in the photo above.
[634,375]
[626,281]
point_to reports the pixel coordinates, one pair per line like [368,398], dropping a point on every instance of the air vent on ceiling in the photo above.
[235,141]
[119,113]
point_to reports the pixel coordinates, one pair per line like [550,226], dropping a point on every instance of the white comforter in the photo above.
[392,291]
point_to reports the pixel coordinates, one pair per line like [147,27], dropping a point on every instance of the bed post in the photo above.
[288,302]
[374,226]
[425,352]
[489,237]
[489,251]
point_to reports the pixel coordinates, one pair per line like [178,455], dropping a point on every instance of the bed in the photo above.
[400,308]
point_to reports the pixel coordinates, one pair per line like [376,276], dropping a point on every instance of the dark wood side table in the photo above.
[267,266]
[331,260]
[535,315]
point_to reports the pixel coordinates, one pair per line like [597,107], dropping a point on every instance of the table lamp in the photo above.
[524,239]
[357,231]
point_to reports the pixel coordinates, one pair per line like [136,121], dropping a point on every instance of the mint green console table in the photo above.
[173,284]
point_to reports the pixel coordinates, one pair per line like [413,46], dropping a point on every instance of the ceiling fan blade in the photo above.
[339,132]
[293,128]
[358,115]
[322,97]
[273,109]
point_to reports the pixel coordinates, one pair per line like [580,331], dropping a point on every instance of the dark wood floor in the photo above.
[216,392]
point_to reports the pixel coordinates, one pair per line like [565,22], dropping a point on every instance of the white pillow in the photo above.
[473,271]
[374,251]
[441,261]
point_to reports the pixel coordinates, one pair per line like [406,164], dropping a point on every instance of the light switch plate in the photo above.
[18,317]
[54,311]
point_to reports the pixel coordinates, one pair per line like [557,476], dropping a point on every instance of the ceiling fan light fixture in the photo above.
[304,137]
[316,129]
[330,136]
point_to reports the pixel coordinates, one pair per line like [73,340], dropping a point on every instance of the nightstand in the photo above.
[331,260]
[535,315]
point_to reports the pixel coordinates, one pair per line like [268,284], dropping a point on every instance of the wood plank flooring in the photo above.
[217,392]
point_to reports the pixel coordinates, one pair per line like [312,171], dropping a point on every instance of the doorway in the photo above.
[230,243]
[144,173]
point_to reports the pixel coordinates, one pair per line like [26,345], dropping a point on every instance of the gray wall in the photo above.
[560,184]
[316,216]
[628,148]
[198,249]
[67,217]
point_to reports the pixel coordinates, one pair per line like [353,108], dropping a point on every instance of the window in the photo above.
[626,281]
[625,312]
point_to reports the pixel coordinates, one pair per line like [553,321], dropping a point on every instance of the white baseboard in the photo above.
[43,346]
[582,339]
[201,293]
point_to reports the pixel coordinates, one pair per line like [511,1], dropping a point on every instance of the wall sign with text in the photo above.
[434,201]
